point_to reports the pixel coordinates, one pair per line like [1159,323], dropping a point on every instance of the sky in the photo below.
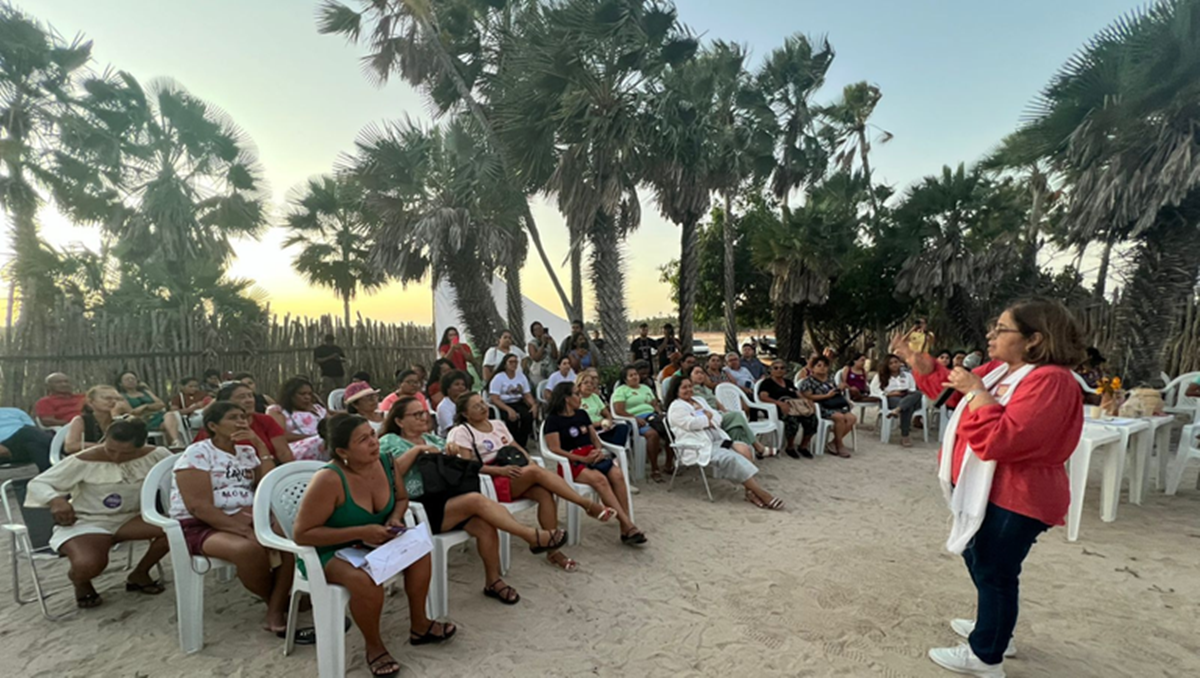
[956,77]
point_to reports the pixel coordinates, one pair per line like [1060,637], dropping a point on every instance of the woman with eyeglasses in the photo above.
[408,384]
[734,423]
[570,434]
[1016,422]
[477,437]
[794,410]
[510,392]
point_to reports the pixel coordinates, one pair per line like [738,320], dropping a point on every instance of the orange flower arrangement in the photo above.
[1109,385]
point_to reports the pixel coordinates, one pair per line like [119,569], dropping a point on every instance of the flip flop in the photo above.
[567,564]
[152,589]
[776,504]
[606,515]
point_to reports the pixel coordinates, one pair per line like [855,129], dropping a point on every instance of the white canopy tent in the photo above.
[446,313]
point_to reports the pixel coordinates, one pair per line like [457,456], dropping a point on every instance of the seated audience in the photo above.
[593,404]
[95,499]
[569,433]
[946,360]
[509,391]
[494,358]
[21,441]
[734,423]
[212,381]
[673,364]
[433,387]
[476,437]
[101,406]
[299,414]
[645,377]
[1092,368]
[794,410]
[61,403]
[363,400]
[714,367]
[568,342]
[1193,389]
[190,402]
[819,388]
[264,426]
[452,348]
[581,355]
[331,518]
[698,435]
[543,353]
[212,497]
[738,374]
[564,373]
[454,385]
[897,386]
[261,402]
[854,380]
[406,437]
[751,362]
[408,385]
[148,407]
[636,400]
[360,376]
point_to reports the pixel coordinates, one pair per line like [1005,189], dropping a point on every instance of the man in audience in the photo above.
[331,359]
[667,345]
[569,342]
[597,340]
[60,404]
[212,381]
[643,347]
[21,442]
[738,374]
[674,362]
[751,362]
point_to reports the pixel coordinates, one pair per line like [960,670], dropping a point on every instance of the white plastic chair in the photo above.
[1175,399]
[438,605]
[1188,450]
[279,495]
[56,445]
[1083,385]
[337,399]
[22,546]
[540,394]
[679,462]
[189,570]
[772,414]
[733,399]
[889,424]
[488,488]
[636,441]
[574,511]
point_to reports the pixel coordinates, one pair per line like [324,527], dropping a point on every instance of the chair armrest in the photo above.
[486,487]
[561,463]
[15,528]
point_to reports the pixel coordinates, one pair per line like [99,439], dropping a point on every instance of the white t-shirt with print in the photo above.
[232,476]
[509,390]
[486,445]
[494,355]
[558,378]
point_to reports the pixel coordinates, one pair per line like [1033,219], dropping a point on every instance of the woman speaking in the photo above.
[1018,419]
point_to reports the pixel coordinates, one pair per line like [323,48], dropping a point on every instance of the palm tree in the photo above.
[38,76]
[451,61]
[1117,122]
[331,224]
[789,78]
[443,209]
[175,180]
[572,105]
[849,117]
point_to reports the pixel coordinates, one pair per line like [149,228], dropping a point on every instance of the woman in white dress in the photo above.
[697,430]
[95,498]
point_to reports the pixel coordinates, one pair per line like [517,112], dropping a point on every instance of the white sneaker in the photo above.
[962,660]
[964,627]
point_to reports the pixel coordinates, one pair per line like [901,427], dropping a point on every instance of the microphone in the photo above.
[941,401]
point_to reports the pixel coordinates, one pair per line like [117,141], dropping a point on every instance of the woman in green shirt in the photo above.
[406,436]
[734,423]
[634,399]
[593,404]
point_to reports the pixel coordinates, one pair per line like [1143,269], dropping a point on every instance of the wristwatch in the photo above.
[971,396]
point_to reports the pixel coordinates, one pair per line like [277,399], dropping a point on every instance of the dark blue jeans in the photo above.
[994,559]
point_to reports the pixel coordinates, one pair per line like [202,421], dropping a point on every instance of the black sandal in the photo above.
[373,665]
[554,545]
[448,631]
[304,636]
[501,594]
[635,538]
[154,588]
[88,600]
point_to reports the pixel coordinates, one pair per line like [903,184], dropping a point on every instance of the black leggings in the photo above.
[522,428]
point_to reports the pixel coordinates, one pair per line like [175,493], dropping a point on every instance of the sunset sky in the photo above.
[955,77]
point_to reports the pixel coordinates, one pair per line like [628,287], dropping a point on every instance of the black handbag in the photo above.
[448,475]
[837,403]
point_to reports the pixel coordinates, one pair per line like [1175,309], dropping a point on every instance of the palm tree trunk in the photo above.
[576,311]
[515,303]
[476,305]
[789,331]
[423,12]
[608,282]
[730,285]
[689,269]
[1164,277]
[1102,273]
[864,149]
[346,311]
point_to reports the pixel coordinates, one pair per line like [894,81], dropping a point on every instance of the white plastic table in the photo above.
[1093,438]
[1159,438]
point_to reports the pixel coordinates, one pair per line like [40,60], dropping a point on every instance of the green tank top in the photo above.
[350,514]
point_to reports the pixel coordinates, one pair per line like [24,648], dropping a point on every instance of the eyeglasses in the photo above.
[777,368]
[996,330]
[419,414]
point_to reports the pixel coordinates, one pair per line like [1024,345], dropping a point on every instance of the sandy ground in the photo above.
[851,580]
